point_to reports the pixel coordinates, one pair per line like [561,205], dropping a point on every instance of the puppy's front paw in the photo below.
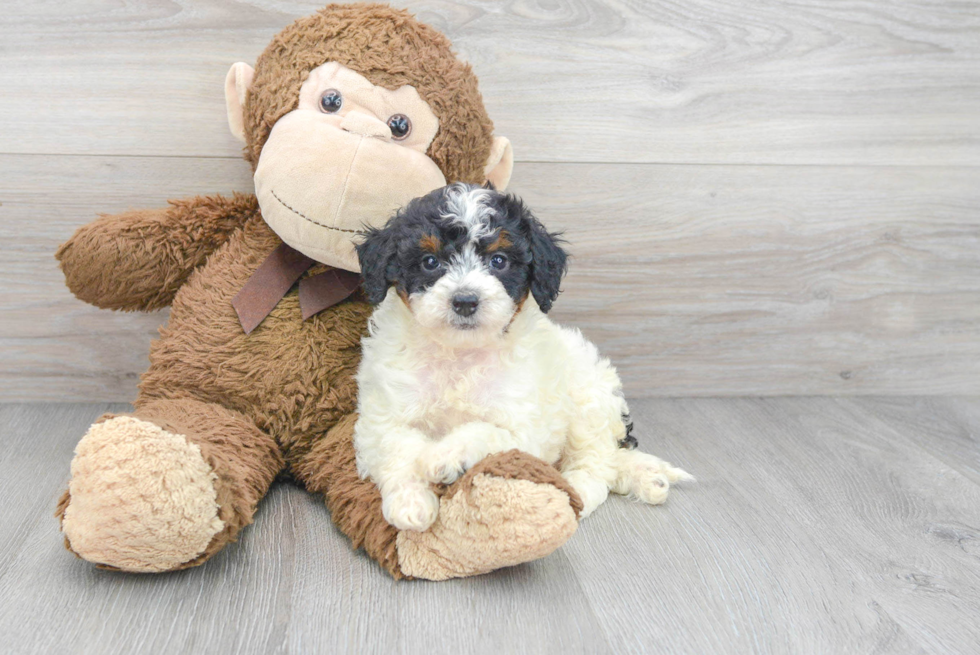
[412,507]
[443,467]
[443,463]
[592,490]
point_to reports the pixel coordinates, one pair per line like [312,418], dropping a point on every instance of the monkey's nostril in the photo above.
[465,305]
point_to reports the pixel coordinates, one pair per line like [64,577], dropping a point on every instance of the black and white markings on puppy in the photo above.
[457,366]
[458,229]
[628,442]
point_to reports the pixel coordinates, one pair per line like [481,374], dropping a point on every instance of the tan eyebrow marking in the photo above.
[502,241]
[430,243]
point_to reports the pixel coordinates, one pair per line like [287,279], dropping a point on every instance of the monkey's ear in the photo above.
[548,260]
[376,255]
[500,163]
[237,82]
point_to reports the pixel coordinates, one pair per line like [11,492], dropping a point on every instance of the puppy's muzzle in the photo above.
[465,304]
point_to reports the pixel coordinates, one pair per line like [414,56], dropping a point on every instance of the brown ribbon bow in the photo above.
[273,279]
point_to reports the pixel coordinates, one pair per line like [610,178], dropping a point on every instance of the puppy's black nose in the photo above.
[465,305]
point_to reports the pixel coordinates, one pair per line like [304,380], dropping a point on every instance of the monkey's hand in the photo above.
[137,260]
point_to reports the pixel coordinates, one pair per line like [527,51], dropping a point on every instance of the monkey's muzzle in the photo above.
[359,181]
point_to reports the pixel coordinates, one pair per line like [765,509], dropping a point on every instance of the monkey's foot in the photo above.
[508,509]
[140,498]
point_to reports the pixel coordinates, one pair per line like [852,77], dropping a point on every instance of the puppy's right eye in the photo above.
[430,263]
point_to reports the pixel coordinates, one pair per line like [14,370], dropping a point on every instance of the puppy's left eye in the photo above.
[499,262]
[430,263]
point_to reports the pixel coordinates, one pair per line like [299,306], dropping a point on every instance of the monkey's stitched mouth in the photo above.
[307,218]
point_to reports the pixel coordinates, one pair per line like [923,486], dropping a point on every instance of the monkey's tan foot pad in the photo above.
[140,498]
[509,509]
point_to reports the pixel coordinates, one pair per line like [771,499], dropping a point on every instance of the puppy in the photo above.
[461,363]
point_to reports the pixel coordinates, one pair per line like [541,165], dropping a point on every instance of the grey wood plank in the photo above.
[695,280]
[291,584]
[55,603]
[818,525]
[36,444]
[947,427]
[812,529]
[771,280]
[342,602]
[698,82]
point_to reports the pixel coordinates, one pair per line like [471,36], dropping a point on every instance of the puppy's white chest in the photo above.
[471,387]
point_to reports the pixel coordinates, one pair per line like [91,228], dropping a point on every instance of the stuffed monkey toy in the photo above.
[348,114]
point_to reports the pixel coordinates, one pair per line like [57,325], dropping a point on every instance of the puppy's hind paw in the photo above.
[651,486]
[649,478]
[675,474]
[413,507]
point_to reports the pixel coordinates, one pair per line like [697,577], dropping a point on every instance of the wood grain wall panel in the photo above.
[703,81]
[695,280]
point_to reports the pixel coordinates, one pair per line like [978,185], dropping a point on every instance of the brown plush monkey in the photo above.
[348,114]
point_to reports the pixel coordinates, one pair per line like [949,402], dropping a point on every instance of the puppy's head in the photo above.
[464,259]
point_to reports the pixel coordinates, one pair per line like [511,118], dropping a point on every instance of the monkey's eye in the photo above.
[430,263]
[400,126]
[331,101]
[499,262]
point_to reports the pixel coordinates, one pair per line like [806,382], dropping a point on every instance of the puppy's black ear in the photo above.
[376,254]
[548,260]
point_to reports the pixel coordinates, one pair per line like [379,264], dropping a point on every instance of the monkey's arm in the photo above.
[136,261]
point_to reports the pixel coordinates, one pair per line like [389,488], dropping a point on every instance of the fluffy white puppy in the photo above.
[458,365]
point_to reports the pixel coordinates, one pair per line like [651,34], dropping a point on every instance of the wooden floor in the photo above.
[817,525]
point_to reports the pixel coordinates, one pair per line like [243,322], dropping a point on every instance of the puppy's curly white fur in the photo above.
[457,364]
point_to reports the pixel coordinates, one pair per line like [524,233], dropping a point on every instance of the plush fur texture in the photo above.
[241,459]
[152,251]
[348,155]
[473,532]
[127,466]
[391,49]
[457,366]
[495,524]
[231,411]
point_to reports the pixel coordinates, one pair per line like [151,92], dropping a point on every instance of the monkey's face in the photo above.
[349,114]
[348,156]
